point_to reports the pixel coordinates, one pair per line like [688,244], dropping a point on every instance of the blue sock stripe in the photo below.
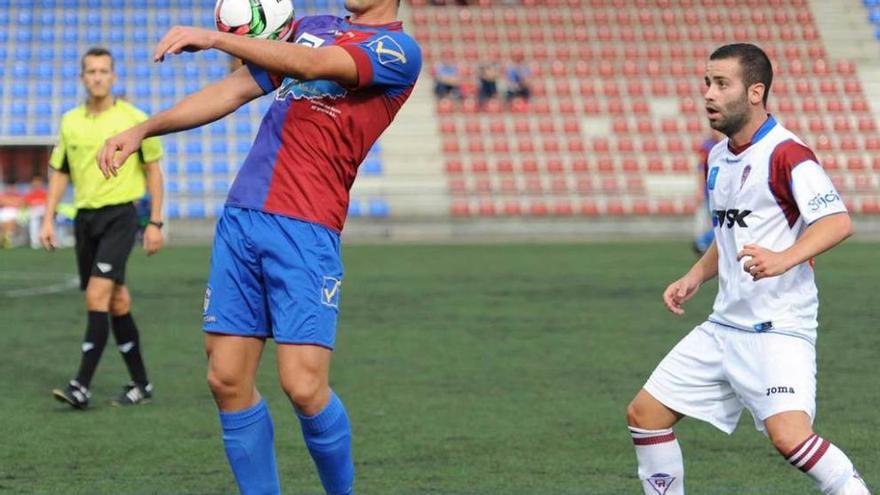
[324,420]
[242,419]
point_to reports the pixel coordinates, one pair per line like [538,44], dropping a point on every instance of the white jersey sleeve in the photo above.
[814,192]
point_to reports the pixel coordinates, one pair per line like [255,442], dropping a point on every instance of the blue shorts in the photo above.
[273,276]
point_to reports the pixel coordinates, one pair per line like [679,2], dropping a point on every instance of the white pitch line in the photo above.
[41,290]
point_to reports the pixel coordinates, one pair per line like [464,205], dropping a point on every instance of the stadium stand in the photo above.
[616,115]
[41,43]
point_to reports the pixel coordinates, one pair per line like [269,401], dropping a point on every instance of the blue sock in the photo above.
[249,440]
[328,437]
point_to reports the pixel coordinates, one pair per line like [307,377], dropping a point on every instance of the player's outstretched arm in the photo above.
[302,62]
[207,105]
[680,291]
[819,237]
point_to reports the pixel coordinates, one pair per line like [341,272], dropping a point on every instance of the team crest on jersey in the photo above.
[661,482]
[388,50]
[330,291]
[207,301]
[745,176]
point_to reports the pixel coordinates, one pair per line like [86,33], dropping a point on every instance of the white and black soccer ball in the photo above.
[266,19]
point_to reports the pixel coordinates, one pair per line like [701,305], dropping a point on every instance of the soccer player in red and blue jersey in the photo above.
[275,266]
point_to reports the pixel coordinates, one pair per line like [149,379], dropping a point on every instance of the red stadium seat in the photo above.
[576,145]
[580,165]
[479,166]
[655,165]
[645,126]
[842,125]
[459,209]
[504,166]
[872,143]
[454,167]
[855,164]
[529,166]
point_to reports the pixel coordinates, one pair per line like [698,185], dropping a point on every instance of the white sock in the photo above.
[828,466]
[661,467]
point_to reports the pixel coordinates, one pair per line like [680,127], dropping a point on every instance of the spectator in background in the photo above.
[518,74]
[487,75]
[447,80]
[35,200]
[9,205]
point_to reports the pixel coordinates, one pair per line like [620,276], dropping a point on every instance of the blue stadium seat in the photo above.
[265,103]
[162,19]
[354,208]
[196,132]
[212,55]
[23,54]
[68,105]
[18,109]
[243,147]
[117,18]
[191,71]
[371,166]
[208,21]
[170,145]
[171,168]
[44,90]
[141,55]
[70,71]
[218,209]
[166,89]
[146,107]
[173,210]
[19,90]
[184,4]
[116,36]
[139,36]
[194,167]
[70,54]
[70,36]
[118,55]
[42,128]
[195,186]
[195,210]
[141,70]
[191,87]
[70,18]
[121,70]
[69,90]
[376,148]
[378,207]
[139,18]
[2,74]
[4,38]
[47,18]
[219,148]
[194,148]
[43,109]
[93,19]
[220,186]
[47,36]
[4,16]
[142,89]
[220,168]
[184,17]
[166,71]
[243,128]
[216,71]
[321,4]
[218,128]
[24,36]
[45,71]
[94,37]
[118,4]
[20,70]
[16,129]
[47,4]
[47,54]
[172,187]
[25,17]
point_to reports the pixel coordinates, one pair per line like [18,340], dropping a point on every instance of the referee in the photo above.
[106,224]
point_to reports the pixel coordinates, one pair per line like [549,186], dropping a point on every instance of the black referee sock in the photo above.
[97,330]
[128,342]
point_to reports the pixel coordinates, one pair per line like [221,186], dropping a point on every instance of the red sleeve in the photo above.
[787,155]
[363,63]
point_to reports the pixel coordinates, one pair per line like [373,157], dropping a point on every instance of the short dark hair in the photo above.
[756,66]
[95,51]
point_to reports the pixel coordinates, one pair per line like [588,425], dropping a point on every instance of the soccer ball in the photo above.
[267,19]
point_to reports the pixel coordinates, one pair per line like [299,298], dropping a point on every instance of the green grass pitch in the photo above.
[484,369]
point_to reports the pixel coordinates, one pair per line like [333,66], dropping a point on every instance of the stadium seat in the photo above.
[378,207]
[194,168]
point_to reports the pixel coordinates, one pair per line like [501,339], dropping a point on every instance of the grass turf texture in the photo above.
[490,369]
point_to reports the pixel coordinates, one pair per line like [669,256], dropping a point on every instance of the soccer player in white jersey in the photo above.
[774,209]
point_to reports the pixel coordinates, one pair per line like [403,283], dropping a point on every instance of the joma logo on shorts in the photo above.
[780,390]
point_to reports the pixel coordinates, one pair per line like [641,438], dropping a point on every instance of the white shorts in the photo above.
[716,371]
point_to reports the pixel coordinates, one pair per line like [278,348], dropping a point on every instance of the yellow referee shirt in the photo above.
[82,135]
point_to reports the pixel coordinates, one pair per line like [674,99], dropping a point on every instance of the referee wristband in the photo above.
[158,224]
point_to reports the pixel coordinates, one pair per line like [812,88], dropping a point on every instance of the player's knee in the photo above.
[120,304]
[225,385]
[634,414]
[786,440]
[306,393]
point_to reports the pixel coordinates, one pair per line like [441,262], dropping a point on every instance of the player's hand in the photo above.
[153,239]
[763,263]
[184,39]
[117,149]
[680,292]
[47,235]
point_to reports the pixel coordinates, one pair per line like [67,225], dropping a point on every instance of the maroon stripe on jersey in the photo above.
[809,444]
[654,440]
[816,457]
[785,157]
[363,64]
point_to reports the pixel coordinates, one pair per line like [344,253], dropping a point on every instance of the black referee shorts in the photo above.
[104,239]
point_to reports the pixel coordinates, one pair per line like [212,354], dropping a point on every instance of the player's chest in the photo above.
[741,181]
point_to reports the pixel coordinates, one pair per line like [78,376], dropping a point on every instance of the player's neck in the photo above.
[97,105]
[744,136]
[375,17]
